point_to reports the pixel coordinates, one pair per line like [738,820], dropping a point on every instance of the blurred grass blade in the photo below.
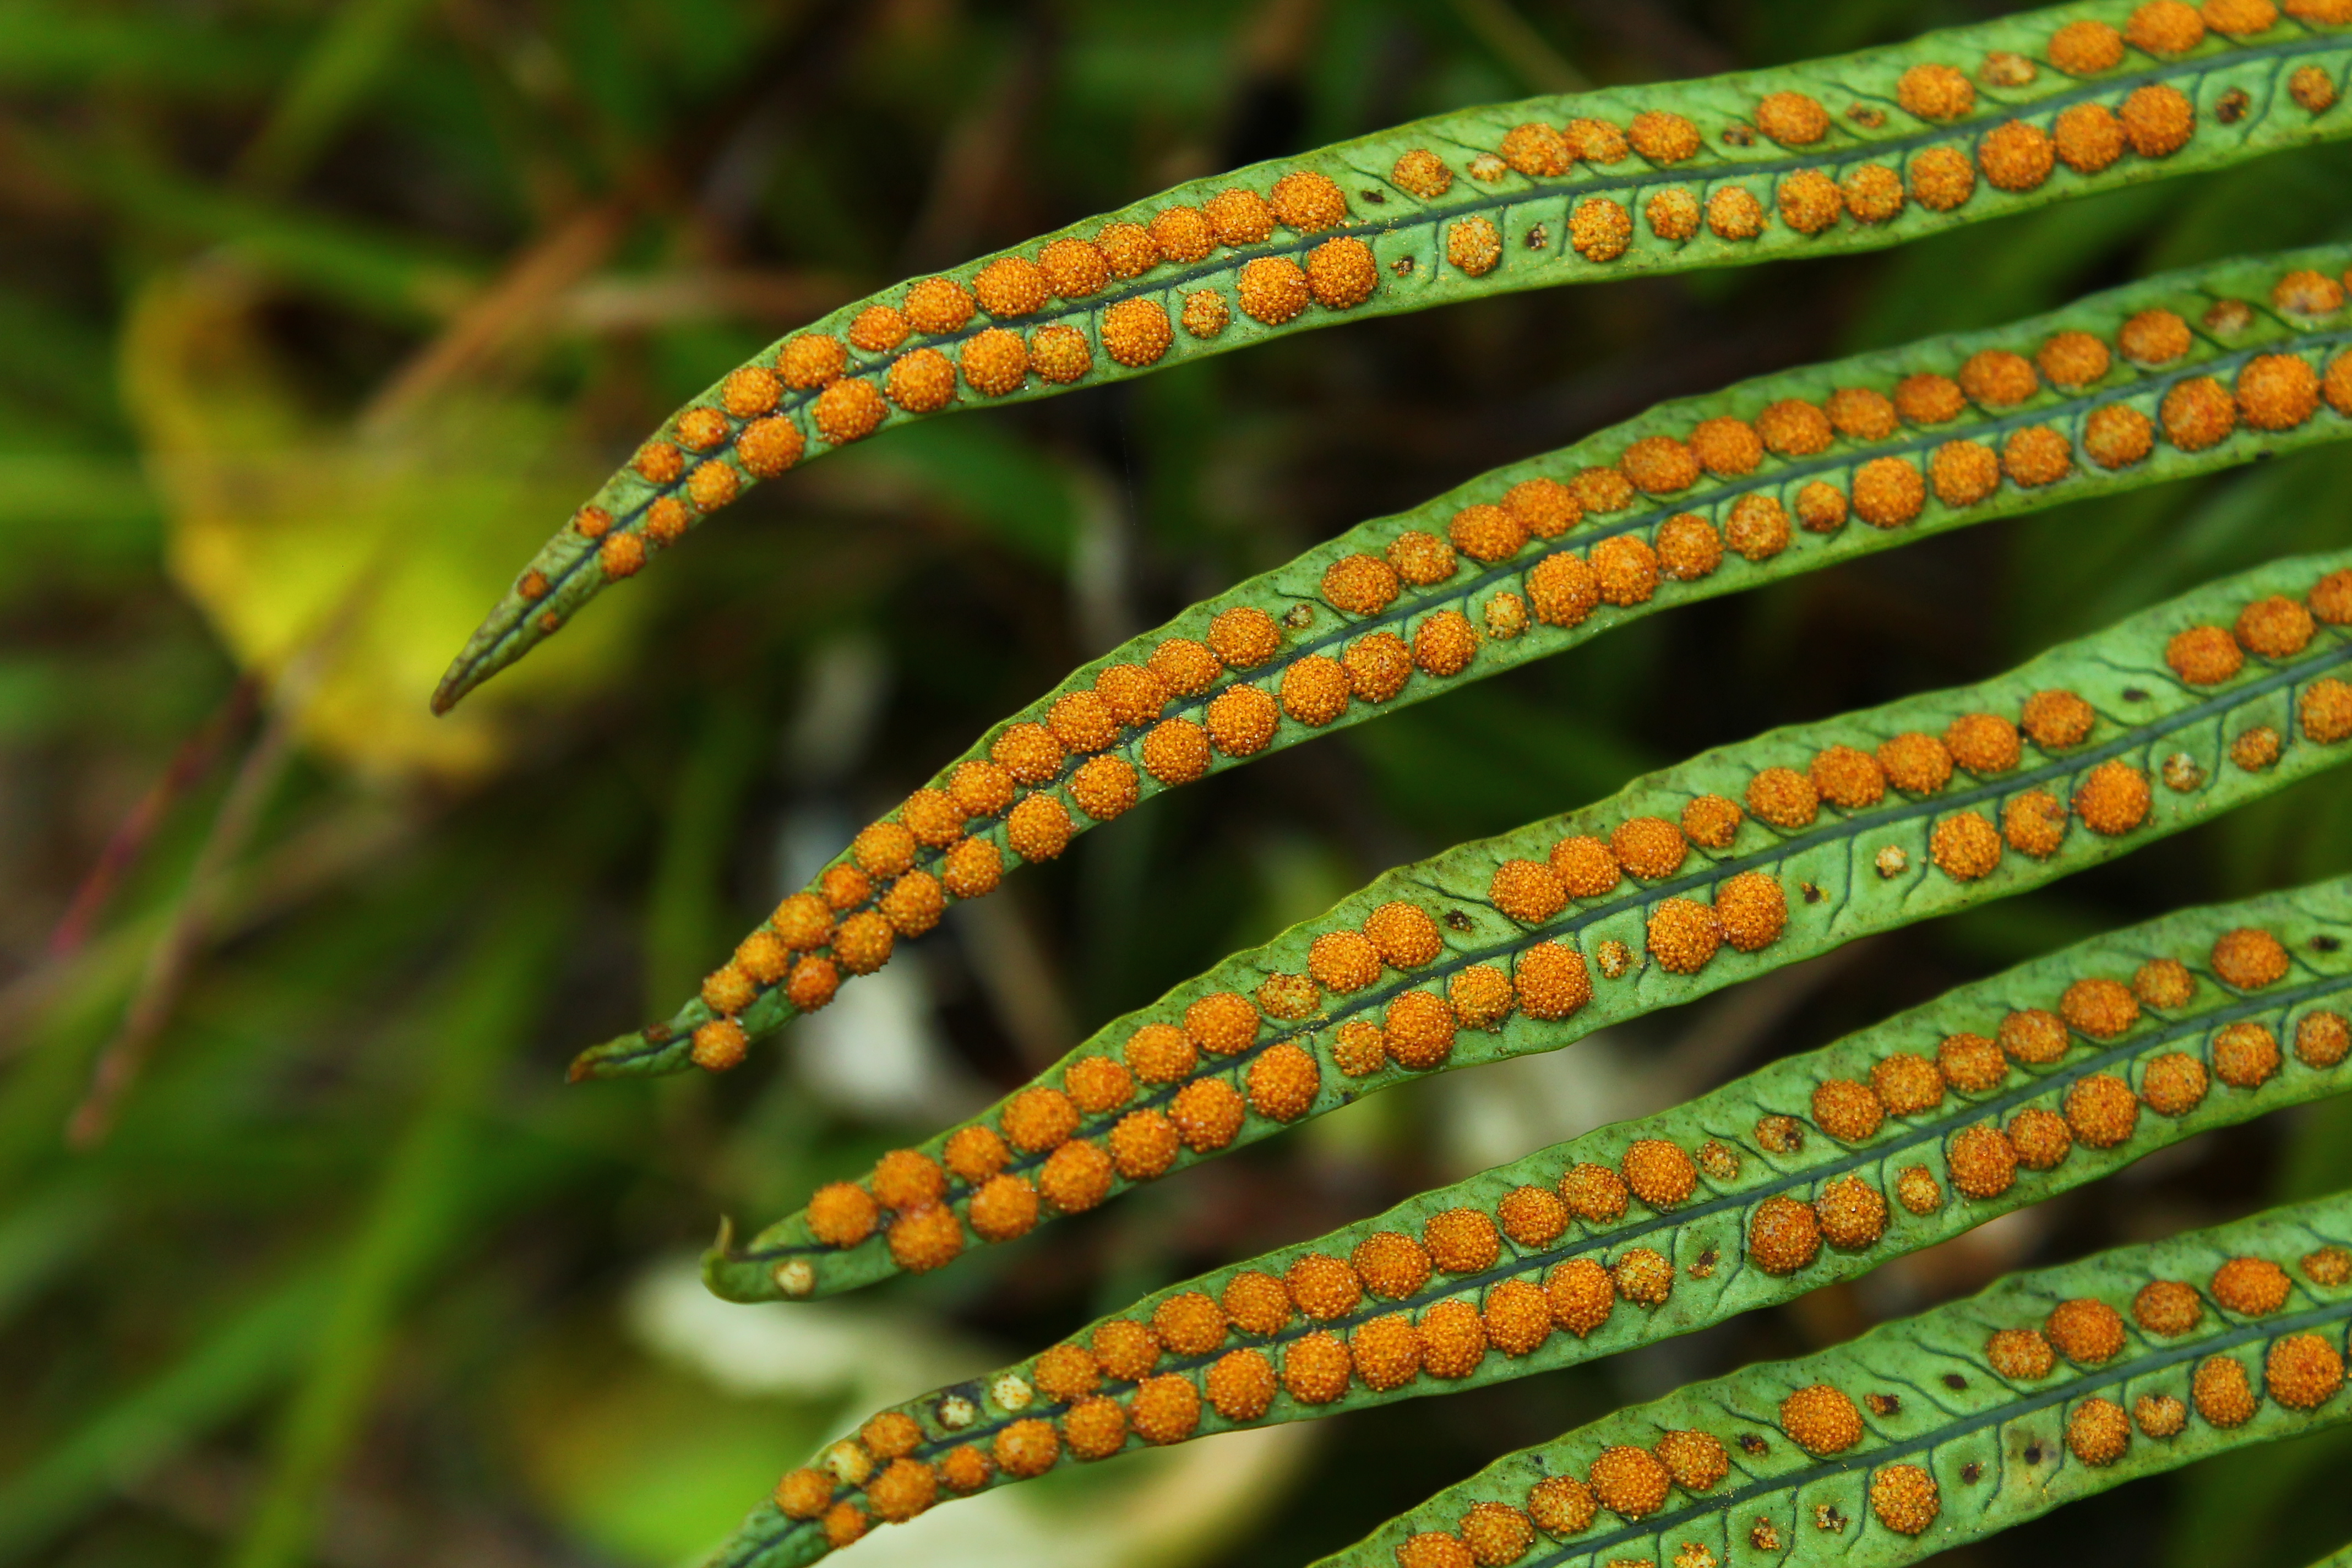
[411,1219]
[257,1348]
[130,839]
[382,271]
[43,1235]
[358,43]
[60,44]
[170,960]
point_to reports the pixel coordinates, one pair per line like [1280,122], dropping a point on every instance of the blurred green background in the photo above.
[315,319]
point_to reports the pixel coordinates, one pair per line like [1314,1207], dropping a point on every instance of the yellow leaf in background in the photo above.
[375,548]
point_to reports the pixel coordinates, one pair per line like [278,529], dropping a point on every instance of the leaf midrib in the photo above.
[2087,1383]
[2069,412]
[2195,67]
[1844,829]
[1914,1135]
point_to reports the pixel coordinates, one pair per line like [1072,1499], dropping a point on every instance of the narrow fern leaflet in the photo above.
[1995,1095]
[2178,375]
[1744,860]
[1939,1429]
[1866,150]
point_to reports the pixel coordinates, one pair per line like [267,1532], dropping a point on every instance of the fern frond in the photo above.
[1744,860]
[1942,1428]
[1815,1169]
[2181,374]
[1857,153]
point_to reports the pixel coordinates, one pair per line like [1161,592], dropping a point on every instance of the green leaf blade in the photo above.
[1296,598]
[1997,1449]
[1585,221]
[1704,1238]
[2159,757]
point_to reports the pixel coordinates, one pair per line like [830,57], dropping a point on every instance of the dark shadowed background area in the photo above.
[316,319]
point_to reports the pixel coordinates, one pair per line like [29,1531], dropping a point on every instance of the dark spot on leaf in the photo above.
[1378,198]
[2325,944]
[1298,616]
[1456,920]
[1883,1403]
[1401,266]
[956,1407]
[2232,106]
[1812,894]
[2034,1453]
[1971,1471]
[1867,116]
[2133,694]
[1739,136]
[658,1032]
[1954,1380]
[1539,236]
[1829,1516]
[1749,1443]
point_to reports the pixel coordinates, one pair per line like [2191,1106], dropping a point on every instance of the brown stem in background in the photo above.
[544,283]
[977,156]
[503,313]
[636,304]
[174,955]
[1518,48]
[129,842]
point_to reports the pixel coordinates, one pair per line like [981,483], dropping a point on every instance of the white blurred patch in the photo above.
[1505,1110]
[1155,1509]
[815,1350]
[841,702]
[876,1053]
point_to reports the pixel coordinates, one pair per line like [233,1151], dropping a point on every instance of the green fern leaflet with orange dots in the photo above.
[2178,375]
[1815,1169]
[1938,1429]
[1737,862]
[1867,151]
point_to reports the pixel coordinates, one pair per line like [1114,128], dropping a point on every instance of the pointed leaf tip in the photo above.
[1657,177]
[640,1054]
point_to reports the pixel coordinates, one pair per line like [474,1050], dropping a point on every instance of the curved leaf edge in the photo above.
[1842,888]
[1294,591]
[1997,1451]
[1703,1238]
[567,571]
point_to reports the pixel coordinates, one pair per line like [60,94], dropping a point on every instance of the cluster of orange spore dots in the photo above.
[1635,1482]
[1749,911]
[846,402]
[2152,122]
[1133,1115]
[1561,588]
[2301,1371]
[2097,1111]
[1370,1322]
[2112,798]
[901,872]
[1369,1317]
